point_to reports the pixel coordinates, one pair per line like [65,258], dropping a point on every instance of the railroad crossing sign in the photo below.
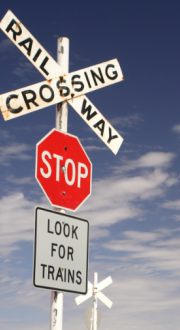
[63,170]
[59,86]
[96,289]
[61,245]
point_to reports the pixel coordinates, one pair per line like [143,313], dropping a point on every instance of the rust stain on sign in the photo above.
[5,114]
[18,25]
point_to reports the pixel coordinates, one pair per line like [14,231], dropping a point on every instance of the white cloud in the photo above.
[17,222]
[176,217]
[172,205]
[20,181]
[118,198]
[21,325]
[4,134]
[14,151]
[6,45]
[149,160]
[23,70]
[94,148]
[80,58]
[127,121]
[151,252]
[176,128]
[155,159]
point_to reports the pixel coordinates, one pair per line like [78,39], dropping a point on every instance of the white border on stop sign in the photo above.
[37,144]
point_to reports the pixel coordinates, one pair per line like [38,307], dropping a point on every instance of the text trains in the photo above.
[65,275]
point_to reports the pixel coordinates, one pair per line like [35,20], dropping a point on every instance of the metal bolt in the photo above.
[63,169]
[64,193]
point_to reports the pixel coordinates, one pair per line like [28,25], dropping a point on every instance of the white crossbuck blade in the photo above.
[59,86]
[100,286]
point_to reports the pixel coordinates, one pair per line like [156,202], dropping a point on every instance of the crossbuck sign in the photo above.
[59,86]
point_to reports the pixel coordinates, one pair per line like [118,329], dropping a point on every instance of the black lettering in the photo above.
[43,270]
[77,275]
[71,275]
[50,271]
[87,79]
[115,74]
[100,122]
[64,274]
[61,247]
[12,96]
[43,65]
[64,230]
[77,83]
[100,77]
[52,248]
[41,95]
[70,252]
[15,33]
[88,110]
[37,55]
[48,229]
[111,137]
[58,230]
[63,87]
[59,274]
[24,42]
[31,100]
[74,232]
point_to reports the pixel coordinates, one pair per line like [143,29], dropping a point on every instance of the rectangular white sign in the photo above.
[30,47]
[46,93]
[61,245]
[98,123]
[50,69]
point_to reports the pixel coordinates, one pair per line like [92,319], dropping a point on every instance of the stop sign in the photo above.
[63,170]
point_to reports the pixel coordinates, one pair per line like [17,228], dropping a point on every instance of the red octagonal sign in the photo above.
[63,170]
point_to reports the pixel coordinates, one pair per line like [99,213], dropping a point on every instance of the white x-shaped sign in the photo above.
[91,289]
[59,86]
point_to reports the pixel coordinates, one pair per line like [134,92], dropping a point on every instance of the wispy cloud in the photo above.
[154,252]
[4,134]
[80,58]
[6,45]
[172,205]
[16,222]
[94,148]
[127,121]
[149,160]
[14,151]
[176,128]
[24,70]
[20,181]
[118,197]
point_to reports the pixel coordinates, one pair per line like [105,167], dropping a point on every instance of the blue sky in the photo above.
[134,208]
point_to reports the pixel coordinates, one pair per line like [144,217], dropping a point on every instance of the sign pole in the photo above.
[63,61]
[95,301]
[61,125]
